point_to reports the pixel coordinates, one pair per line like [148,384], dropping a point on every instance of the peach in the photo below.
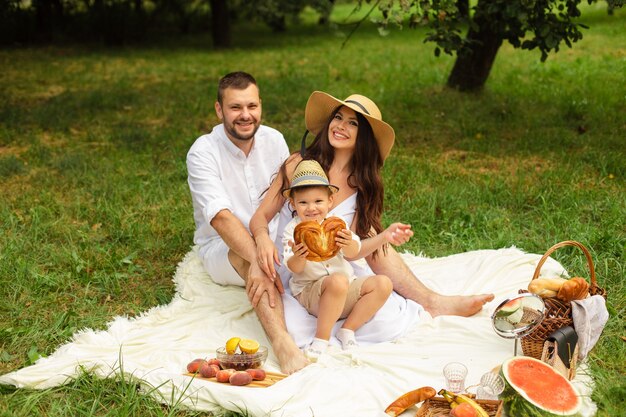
[256,374]
[194,365]
[208,371]
[214,361]
[223,375]
[240,378]
[464,410]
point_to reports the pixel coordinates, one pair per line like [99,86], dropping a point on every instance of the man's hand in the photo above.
[267,255]
[258,283]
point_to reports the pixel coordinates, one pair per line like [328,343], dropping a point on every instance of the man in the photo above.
[228,171]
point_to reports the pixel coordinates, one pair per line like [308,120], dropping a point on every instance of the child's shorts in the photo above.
[310,296]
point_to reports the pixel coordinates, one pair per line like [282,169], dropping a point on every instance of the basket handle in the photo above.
[568,243]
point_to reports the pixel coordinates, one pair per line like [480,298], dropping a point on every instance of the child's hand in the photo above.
[398,233]
[343,238]
[300,250]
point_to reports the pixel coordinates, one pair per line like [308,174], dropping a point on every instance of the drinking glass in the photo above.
[455,373]
[491,385]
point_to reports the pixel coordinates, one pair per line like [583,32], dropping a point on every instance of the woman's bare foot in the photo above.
[290,358]
[457,305]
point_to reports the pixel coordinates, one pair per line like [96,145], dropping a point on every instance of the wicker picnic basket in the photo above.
[440,407]
[558,313]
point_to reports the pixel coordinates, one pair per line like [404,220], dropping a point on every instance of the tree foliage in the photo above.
[276,13]
[527,24]
[119,21]
[110,21]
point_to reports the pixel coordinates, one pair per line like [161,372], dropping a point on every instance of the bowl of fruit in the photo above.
[241,354]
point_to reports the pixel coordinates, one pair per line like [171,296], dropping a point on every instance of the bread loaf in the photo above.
[319,238]
[546,287]
[576,288]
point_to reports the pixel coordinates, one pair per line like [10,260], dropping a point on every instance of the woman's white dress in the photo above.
[390,322]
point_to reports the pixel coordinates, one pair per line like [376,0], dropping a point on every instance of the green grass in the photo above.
[95,212]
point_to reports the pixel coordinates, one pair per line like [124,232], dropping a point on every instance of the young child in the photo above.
[329,289]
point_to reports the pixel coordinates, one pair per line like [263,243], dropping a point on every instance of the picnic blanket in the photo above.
[155,347]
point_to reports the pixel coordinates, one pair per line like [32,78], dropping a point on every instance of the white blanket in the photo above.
[155,347]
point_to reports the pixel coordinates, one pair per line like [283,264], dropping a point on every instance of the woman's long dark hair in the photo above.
[364,174]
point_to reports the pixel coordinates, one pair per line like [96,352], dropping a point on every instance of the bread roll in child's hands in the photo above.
[319,238]
[574,289]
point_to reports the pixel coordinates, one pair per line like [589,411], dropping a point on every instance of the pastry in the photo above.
[319,238]
[576,288]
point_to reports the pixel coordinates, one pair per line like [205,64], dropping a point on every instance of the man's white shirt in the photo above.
[220,176]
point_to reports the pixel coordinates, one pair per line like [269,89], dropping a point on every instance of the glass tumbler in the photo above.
[491,385]
[455,373]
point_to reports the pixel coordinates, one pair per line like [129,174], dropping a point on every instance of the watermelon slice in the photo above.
[509,308]
[535,389]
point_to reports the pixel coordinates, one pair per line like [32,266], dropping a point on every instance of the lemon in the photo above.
[248,345]
[231,345]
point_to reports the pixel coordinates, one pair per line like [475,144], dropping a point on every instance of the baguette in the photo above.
[546,287]
[543,293]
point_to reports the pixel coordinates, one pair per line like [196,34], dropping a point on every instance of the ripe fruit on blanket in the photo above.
[248,346]
[256,374]
[208,371]
[534,388]
[457,399]
[240,378]
[232,344]
[223,375]
[214,361]
[464,410]
[409,400]
[194,365]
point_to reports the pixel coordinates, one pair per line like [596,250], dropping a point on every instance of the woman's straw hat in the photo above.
[309,172]
[321,105]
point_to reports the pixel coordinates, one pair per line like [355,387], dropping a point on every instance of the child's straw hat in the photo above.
[309,172]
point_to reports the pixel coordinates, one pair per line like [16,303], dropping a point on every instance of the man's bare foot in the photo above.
[457,305]
[290,358]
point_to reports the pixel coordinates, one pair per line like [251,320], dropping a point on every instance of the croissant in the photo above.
[576,288]
[319,238]
[409,400]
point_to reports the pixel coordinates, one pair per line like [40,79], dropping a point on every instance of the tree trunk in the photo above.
[463,6]
[220,23]
[471,68]
[48,15]
[277,24]
[325,15]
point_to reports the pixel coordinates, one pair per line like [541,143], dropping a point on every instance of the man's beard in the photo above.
[232,131]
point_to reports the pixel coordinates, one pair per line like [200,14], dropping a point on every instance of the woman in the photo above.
[351,143]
